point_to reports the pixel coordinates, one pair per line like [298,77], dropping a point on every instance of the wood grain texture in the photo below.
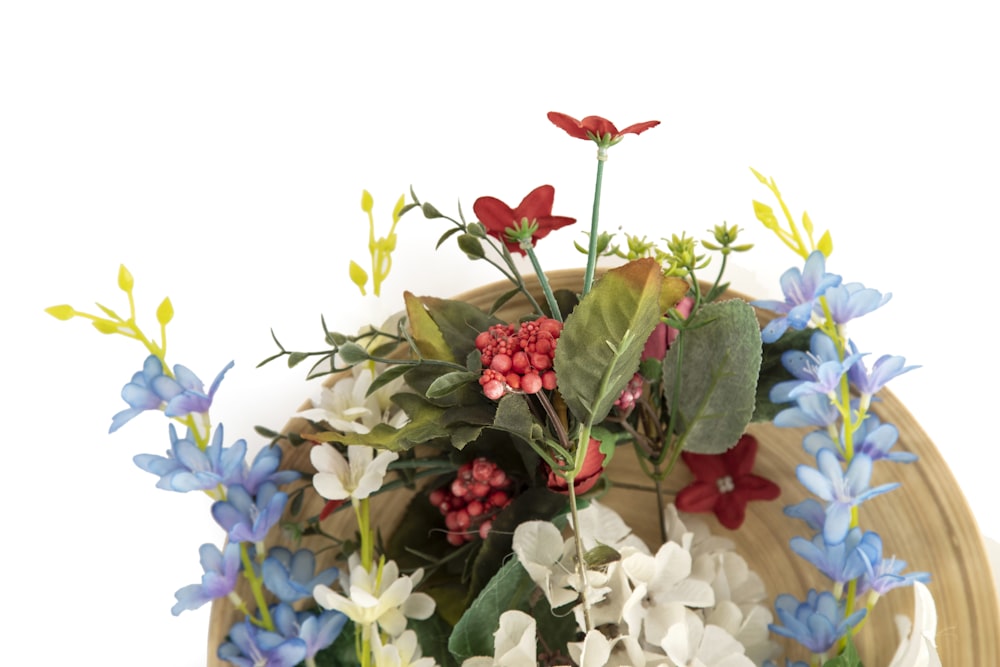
[925,522]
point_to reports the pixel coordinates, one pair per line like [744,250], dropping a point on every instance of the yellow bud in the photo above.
[825,245]
[125,280]
[366,201]
[358,276]
[106,326]
[398,208]
[63,312]
[165,312]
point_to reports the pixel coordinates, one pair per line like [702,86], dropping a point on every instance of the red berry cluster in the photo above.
[630,394]
[518,360]
[471,501]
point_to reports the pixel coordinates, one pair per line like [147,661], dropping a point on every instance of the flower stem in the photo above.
[543,281]
[581,563]
[588,277]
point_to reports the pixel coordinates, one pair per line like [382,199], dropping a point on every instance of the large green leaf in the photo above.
[459,323]
[719,357]
[604,336]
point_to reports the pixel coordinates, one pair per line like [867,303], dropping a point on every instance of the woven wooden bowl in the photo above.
[926,522]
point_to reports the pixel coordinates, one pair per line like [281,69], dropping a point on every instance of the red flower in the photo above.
[597,129]
[536,208]
[593,468]
[723,483]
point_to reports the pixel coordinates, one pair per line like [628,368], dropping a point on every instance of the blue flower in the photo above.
[801,289]
[292,577]
[265,469]
[788,663]
[810,511]
[872,438]
[249,518]
[809,410]
[840,562]
[249,646]
[187,468]
[221,570]
[817,623]
[852,300]
[177,396]
[881,575]
[886,368]
[316,631]
[802,365]
[841,491]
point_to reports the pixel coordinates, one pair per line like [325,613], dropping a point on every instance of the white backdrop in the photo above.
[219,150]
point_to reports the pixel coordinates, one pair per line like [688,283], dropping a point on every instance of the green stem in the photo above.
[257,588]
[581,563]
[543,281]
[588,277]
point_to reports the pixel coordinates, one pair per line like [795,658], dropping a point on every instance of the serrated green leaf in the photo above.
[514,416]
[450,382]
[425,331]
[604,336]
[508,589]
[458,323]
[719,366]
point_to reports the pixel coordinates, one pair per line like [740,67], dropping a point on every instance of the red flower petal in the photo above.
[706,467]
[697,497]
[599,127]
[639,128]
[739,460]
[497,217]
[571,125]
[755,487]
[730,510]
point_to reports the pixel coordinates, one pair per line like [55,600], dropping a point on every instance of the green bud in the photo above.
[352,353]
[430,212]
[471,246]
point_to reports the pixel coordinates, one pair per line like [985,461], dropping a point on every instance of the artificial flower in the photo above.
[379,597]
[809,410]
[664,335]
[349,408]
[597,129]
[843,561]
[336,479]
[589,475]
[246,517]
[691,643]
[802,289]
[724,484]
[749,628]
[250,646]
[292,577]
[817,623]
[849,301]
[221,571]
[535,208]
[187,468]
[918,648]
[547,558]
[401,651]
[317,631]
[871,437]
[514,643]
[881,575]
[885,368]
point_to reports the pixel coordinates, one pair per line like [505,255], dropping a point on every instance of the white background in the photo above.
[219,150]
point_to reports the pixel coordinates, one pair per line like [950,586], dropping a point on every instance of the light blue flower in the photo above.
[809,410]
[248,518]
[850,301]
[801,289]
[802,365]
[150,389]
[840,562]
[292,577]
[788,663]
[187,468]
[810,511]
[221,570]
[818,623]
[840,491]
[872,438]
[265,469]
[885,368]
[883,575]
[317,631]
[249,646]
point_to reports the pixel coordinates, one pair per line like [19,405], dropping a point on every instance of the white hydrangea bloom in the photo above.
[356,477]
[346,408]
[548,559]
[403,651]
[600,524]
[690,643]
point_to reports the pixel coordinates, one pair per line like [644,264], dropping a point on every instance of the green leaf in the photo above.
[773,372]
[458,323]
[719,361]
[425,331]
[508,589]
[450,382]
[430,212]
[351,353]
[848,658]
[387,376]
[447,235]
[514,416]
[433,634]
[604,336]
[760,176]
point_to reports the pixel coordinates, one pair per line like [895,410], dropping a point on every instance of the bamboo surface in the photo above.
[926,522]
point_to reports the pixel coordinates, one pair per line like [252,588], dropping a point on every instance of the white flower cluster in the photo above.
[692,603]
[347,408]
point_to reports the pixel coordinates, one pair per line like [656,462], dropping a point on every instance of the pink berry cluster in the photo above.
[630,394]
[470,502]
[518,360]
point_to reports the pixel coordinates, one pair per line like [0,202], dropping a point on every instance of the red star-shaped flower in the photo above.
[593,468]
[724,484]
[597,129]
[536,208]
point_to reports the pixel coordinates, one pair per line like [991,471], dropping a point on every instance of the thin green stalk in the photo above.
[588,277]
[581,563]
[543,281]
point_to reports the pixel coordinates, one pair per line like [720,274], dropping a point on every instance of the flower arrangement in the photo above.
[499,434]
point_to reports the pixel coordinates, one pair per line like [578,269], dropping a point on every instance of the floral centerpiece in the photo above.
[494,436]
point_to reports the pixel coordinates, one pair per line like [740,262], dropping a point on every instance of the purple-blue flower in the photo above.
[840,562]
[801,289]
[852,300]
[221,571]
[840,491]
[802,365]
[885,368]
[872,438]
[187,468]
[809,410]
[265,469]
[292,577]
[151,389]
[816,623]
[810,511]
[248,518]
[317,631]
[883,575]
[250,646]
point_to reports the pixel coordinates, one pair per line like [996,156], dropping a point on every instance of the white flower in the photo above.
[918,648]
[384,598]
[548,559]
[730,577]
[702,540]
[748,627]
[596,650]
[691,643]
[513,644]
[335,479]
[600,524]
[662,582]
[403,651]
[346,408]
